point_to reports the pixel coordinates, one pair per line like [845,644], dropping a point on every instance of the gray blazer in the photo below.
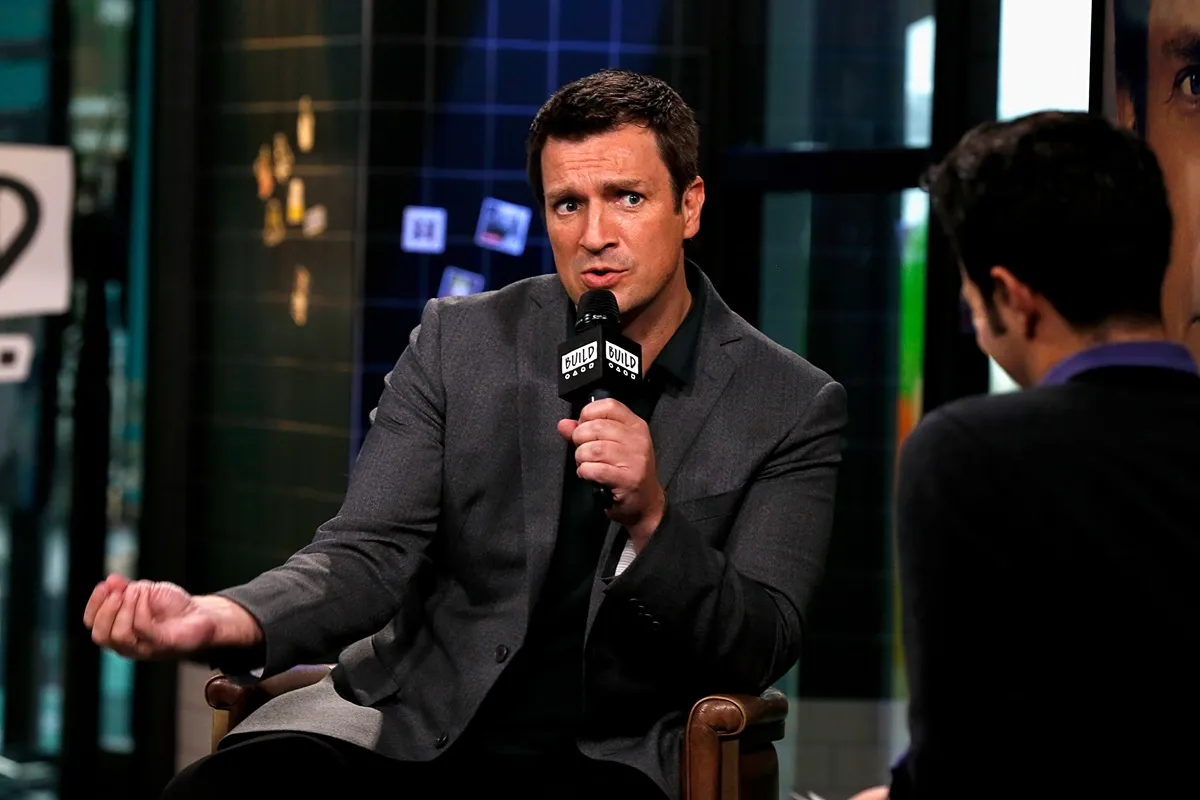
[437,554]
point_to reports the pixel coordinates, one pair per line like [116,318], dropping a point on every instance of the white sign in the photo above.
[16,356]
[620,357]
[423,230]
[37,198]
[578,359]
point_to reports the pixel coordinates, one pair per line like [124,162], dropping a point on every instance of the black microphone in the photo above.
[598,362]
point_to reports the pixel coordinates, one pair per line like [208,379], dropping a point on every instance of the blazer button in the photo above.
[442,741]
[501,654]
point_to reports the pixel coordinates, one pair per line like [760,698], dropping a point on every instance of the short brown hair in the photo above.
[605,101]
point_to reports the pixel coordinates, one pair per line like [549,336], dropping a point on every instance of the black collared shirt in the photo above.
[536,706]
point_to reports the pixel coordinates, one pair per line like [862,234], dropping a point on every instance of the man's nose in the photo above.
[599,233]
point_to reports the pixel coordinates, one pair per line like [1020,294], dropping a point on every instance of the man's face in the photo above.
[611,218]
[997,336]
[1173,131]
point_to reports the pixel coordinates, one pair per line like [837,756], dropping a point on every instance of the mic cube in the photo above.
[598,359]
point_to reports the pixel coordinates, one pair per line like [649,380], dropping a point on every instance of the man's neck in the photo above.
[1044,357]
[654,325]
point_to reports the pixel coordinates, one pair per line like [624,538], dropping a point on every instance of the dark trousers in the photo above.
[300,765]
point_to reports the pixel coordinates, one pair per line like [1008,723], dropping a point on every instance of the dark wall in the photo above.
[271,419]
[853,332]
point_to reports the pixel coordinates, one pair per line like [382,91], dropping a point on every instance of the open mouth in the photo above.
[601,277]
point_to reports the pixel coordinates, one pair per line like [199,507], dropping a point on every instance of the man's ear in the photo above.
[693,204]
[1015,301]
[1011,292]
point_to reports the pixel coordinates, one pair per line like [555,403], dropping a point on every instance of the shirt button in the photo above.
[501,654]
[442,741]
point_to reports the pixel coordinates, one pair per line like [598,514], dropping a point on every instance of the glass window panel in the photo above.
[850,74]
[1045,56]
[100,124]
[843,284]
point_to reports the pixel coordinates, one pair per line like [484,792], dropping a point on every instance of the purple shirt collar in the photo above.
[1163,355]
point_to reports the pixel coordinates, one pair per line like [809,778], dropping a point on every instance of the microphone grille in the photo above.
[598,306]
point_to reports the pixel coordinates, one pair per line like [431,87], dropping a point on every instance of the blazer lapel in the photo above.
[542,450]
[681,414]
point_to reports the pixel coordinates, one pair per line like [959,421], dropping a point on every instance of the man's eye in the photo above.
[567,207]
[633,199]
[1189,81]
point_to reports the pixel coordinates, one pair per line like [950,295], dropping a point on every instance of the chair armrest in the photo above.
[755,720]
[234,699]
[727,750]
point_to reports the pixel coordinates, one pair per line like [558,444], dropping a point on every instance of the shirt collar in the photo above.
[1160,355]
[678,357]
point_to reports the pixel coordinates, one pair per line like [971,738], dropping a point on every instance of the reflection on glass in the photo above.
[100,134]
[848,74]
[918,82]
[842,282]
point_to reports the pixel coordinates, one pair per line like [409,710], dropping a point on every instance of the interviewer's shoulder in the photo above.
[971,426]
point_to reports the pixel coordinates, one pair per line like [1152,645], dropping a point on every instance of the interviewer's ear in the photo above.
[1016,304]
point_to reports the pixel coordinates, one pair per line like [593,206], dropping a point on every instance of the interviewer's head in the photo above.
[613,161]
[1062,230]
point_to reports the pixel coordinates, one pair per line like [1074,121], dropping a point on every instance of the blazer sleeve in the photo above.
[737,612]
[351,579]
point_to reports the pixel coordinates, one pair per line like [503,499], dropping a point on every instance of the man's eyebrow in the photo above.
[618,184]
[1184,46]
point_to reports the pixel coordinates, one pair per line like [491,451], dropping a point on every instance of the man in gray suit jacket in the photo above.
[491,622]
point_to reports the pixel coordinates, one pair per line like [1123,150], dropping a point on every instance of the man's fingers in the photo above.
[102,626]
[139,650]
[99,595]
[599,450]
[608,408]
[601,473]
[599,430]
[143,619]
[566,428]
[122,635]
[113,584]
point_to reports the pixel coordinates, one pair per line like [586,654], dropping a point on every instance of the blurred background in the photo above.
[267,192]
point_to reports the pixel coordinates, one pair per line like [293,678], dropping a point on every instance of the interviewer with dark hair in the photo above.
[1049,539]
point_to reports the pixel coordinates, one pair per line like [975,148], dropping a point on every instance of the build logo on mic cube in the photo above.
[597,359]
